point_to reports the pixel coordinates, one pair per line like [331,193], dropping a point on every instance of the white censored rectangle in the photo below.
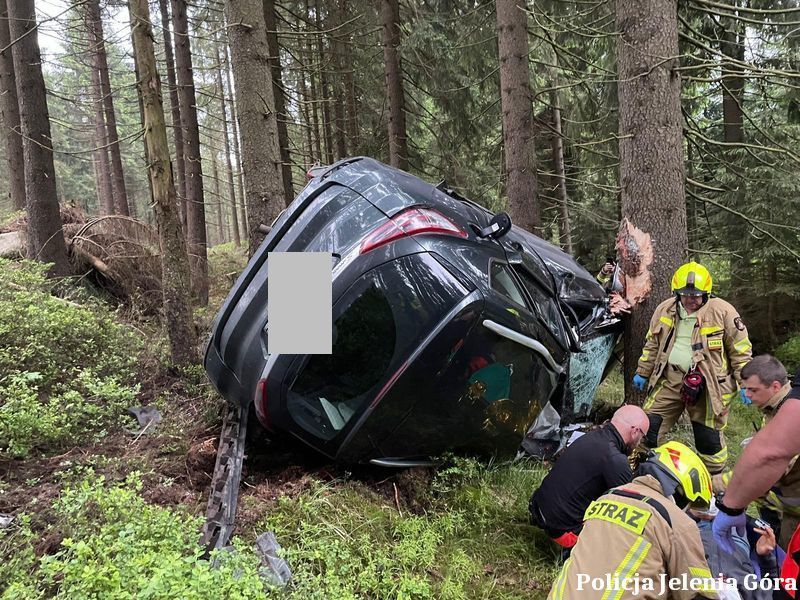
[299,306]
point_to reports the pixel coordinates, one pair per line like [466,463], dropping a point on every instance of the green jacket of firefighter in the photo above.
[694,330]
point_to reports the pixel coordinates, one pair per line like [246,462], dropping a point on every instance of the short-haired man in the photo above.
[765,383]
[594,463]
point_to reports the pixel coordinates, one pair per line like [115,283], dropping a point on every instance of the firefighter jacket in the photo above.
[720,348]
[634,541]
[785,494]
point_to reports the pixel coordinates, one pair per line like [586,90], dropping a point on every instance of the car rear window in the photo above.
[334,222]
[387,315]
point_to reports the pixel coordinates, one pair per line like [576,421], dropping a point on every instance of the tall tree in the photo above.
[515,101]
[195,207]
[175,275]
[650,151]
[223,109]
[97,42]
[280,103]
[237,146]
[177,130]
[259,129]
[105,191]
[398,146]
[9,111]
[45,234]
[557,142]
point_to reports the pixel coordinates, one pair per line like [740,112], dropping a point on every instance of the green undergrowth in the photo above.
[344,540]
[67,366]
[116,546]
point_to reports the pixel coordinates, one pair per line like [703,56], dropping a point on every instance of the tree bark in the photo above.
[9,114]
[175,109]
[565,229]
[515,102]
[244,219]
[390,22]
[195,207]
[223,107]
[253,80]
[175,277]
[650,151]
[97,41]
[45,234]
[280,104]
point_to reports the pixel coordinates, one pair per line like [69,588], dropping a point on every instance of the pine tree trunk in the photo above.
[105,191]
[244,221]
[350,92]
[260,154]
[314,95]
[306,112]
[515,101]
[218,195]
[650,151]
[97,42]
[280,104]
[223,107]
[9,115]
[390,22]
[324,96]
[337,52]
[732,47]
[45,235]
[195,208]
[565,229]
[175,277]
[175,110]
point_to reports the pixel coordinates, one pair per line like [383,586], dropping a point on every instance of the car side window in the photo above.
[545,306]
[503,282]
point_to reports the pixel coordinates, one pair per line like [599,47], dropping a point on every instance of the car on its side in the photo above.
[452,328]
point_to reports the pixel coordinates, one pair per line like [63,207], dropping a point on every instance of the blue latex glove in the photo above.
[639,382]
[723,527]
[745,400]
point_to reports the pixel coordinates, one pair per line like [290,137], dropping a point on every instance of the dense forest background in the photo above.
[419,84]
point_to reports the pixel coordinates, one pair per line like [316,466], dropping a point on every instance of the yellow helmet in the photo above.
[683,465]
[691,278]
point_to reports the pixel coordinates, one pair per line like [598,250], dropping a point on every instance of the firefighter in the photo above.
[766,385]
[694,351]
[637,536]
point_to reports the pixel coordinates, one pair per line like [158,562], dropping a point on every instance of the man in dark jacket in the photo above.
[594,463]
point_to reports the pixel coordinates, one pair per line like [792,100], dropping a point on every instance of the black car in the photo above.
[452,328]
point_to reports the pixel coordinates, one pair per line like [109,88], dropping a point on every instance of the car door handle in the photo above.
[526,341]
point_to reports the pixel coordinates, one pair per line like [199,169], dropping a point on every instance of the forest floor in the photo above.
[116,513]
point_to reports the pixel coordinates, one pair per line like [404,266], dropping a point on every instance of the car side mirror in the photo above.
[497,228]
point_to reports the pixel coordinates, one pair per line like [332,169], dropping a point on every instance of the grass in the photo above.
[82,529]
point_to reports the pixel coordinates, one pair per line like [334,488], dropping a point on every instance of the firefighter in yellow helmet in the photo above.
[693,353]
[637,537]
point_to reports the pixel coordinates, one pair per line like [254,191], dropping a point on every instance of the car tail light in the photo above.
[412,221]
[262,409]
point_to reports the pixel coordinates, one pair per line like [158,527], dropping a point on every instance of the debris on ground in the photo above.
[275,570]
[148,417]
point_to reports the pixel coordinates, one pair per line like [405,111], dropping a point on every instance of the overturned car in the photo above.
[453,329]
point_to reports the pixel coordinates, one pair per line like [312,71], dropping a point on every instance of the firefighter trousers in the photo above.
[664,407]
